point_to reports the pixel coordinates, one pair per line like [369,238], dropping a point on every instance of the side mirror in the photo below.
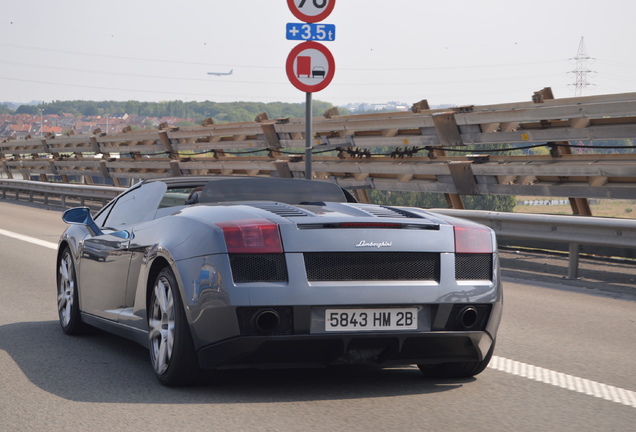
[78,215]
[81,216]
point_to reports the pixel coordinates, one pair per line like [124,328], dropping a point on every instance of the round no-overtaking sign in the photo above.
[310,67]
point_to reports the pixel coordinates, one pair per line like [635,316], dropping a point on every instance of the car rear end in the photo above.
[333,283]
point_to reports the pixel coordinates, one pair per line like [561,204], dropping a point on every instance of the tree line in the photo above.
[503,203]
[221,112]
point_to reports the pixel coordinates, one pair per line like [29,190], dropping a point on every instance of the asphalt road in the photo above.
[565,361]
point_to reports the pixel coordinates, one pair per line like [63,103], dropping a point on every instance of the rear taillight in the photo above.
[472,238]
[252,236]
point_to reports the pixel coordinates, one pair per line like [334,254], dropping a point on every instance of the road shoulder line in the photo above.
[28,239]
[568,382]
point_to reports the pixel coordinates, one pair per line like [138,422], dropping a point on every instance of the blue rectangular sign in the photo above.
[310,32]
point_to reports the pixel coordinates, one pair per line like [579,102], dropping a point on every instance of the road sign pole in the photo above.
[308,138]
[310,66]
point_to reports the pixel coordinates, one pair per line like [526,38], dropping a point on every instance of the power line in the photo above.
[258,66]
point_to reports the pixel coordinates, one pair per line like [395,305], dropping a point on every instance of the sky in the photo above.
[462,52]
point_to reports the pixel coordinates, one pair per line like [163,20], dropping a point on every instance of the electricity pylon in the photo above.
[581,70]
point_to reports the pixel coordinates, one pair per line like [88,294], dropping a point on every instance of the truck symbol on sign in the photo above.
[303,67]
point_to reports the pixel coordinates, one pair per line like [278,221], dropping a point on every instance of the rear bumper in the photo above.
[383,349]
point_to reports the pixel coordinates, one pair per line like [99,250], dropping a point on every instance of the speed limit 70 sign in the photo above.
[311,11]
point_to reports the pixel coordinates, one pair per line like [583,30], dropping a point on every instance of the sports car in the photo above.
[213,272]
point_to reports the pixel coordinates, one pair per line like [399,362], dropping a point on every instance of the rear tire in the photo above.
[458,369]
[67,296]
[172,351]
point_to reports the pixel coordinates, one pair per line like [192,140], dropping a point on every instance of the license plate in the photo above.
[371,319]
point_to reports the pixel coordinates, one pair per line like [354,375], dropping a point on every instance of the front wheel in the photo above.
[458,369]
[67,296]
[171,348]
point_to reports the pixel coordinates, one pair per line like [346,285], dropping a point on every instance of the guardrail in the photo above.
[572,230]
[560,228]
[81,192]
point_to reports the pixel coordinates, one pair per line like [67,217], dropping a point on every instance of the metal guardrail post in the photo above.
[573,261]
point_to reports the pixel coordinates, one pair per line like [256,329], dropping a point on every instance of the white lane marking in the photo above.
[569,382]
[33,240]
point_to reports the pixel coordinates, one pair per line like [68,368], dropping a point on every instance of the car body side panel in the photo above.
[137,260]
[103,274]
[101,265]
[172,240]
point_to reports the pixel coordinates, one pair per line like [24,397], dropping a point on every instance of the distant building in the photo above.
[19,131]
[55,130]
[84,127]
[388,106]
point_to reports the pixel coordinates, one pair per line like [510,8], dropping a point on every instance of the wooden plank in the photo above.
[463,178]
[447,130]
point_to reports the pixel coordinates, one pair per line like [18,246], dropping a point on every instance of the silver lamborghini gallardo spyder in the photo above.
[219,272]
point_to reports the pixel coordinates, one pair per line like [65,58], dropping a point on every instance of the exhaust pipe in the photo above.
[266,321]
[468,317]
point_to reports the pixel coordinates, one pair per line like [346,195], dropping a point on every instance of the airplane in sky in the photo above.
[221,73]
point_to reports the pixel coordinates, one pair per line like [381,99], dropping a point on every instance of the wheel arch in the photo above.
[64,245]
[157,265]
[70,243]
[60,250]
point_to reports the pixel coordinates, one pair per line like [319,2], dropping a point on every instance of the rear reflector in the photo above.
[252,236]
[472,238]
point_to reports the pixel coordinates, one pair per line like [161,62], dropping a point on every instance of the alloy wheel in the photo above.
[162,325]
[66,289]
